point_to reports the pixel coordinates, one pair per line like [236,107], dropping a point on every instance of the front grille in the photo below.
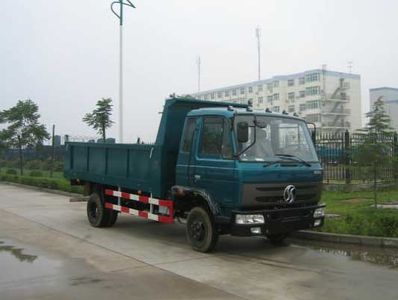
[272,199]
[272,194]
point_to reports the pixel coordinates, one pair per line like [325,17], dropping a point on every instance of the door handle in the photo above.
[196,177]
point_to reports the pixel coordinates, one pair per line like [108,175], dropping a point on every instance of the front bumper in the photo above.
[278,221]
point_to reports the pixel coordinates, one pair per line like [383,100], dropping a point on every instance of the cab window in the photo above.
[188,135]
[216,138]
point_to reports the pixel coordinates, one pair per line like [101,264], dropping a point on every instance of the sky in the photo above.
[64,54]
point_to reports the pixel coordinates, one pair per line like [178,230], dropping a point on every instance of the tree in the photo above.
[100,119]
[375,154]
[23,128]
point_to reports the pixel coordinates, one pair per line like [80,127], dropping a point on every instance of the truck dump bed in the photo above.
[149,168]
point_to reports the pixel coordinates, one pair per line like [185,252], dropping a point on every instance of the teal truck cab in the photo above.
[222,168]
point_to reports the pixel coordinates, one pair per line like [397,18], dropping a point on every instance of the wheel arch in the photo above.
[186,198]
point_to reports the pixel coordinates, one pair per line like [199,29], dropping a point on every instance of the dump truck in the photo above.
[219,168]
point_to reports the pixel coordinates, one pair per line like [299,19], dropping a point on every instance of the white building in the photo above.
[332,100]
[390,97]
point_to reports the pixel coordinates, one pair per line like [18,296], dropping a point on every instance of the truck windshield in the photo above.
[274,139]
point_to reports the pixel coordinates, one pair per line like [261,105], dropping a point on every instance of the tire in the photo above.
[200,230]
[277,239]
[112,218]
[97,214]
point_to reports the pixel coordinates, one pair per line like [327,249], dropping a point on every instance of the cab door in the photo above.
[186,157]
[214,170]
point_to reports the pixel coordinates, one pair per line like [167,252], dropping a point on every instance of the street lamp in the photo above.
[119,15]
[258,36]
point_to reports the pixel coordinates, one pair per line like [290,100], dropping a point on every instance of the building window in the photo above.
[250,89]
[269,86]
[302,107]
[312,90]
[290,96]
[226,93]
[275,109]
[276,83]
[212,95]
[260,88]
[290,108]
[301,80]
[234,92]
[311,77]
[260,100]
[313,118]
[301,94]
[219,94]
[313,104]
[276,96]
[290,82]
[269,99]
[242,90]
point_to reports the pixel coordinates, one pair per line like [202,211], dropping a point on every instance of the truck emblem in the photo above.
[289,194]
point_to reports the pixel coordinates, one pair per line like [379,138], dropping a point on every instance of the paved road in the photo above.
[65,258]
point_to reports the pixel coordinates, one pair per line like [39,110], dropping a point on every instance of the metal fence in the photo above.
[337,151]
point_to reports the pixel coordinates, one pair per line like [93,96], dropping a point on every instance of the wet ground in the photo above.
[387,257]
[47,251]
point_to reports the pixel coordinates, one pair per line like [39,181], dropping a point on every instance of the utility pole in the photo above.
[52,152]
[350,66]
[198,62]
[258,34]
[120,17]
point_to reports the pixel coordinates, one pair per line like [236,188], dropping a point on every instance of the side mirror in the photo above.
[243,132]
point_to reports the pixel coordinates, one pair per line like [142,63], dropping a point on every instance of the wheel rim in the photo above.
[197,230]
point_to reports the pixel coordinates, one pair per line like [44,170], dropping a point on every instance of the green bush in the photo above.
[13,163]
[44,182]
[34,164]
[11,172]
[36,173]
[370,222]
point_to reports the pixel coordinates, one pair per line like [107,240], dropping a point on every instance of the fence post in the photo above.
[395,156]
[347,160]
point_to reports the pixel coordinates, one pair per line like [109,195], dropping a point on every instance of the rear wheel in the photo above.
[97,214]
[201,231]
[112,218]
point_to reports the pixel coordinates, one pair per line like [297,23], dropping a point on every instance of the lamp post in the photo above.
[258,35]
[198,62]
[119,15]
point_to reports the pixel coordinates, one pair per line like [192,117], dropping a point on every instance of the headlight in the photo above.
[249,219]
[319,212]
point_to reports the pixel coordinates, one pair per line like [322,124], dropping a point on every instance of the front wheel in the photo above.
[201,231]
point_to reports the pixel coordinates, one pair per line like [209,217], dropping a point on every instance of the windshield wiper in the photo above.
[270,163]
[293,157]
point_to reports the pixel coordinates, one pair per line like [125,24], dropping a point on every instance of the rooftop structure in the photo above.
[331,100]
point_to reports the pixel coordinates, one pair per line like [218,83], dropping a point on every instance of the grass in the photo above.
[358,215]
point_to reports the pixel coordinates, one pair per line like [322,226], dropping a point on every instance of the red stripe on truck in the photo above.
[143,199]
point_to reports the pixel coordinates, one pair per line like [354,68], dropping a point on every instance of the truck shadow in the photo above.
[175,234]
